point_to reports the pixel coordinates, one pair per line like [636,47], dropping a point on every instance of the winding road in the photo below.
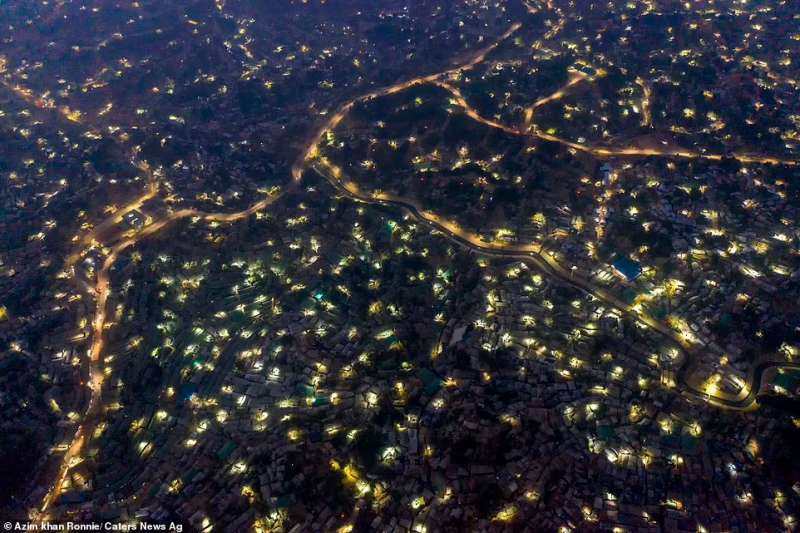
[542,260]
[530,253]
[102,291]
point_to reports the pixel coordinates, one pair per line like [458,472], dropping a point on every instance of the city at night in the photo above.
[405,266]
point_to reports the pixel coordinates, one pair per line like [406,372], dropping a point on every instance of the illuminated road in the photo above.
[529,252]
[599,151]
[102,287]
[313,147]
[102,292]
[532,253]
[558,95]
[91,237]
[531,129]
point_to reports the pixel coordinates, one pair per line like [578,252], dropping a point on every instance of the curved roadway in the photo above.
[536,255]
[531,253]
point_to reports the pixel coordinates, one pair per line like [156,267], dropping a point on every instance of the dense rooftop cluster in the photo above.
[401,266]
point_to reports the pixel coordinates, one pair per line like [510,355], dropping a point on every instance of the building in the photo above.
[627,268]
